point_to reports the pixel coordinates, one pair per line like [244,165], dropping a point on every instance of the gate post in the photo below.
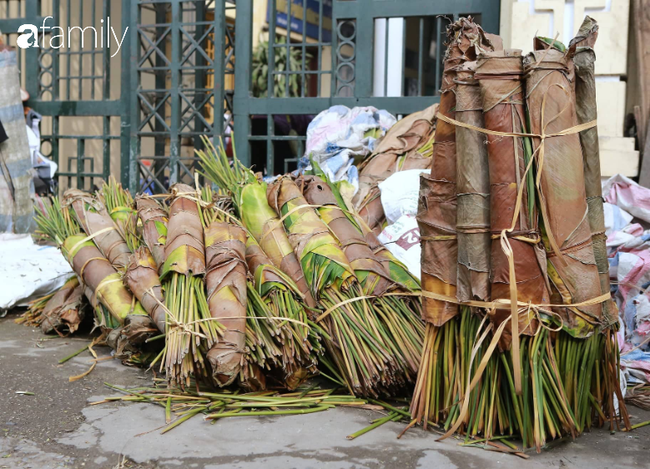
[243,44]
[130,78]
[128,170]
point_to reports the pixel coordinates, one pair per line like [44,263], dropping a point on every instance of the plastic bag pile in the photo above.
[627,215]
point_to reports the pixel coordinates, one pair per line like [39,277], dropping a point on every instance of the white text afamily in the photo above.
[61,38]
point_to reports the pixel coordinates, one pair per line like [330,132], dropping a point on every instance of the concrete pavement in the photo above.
[57,428]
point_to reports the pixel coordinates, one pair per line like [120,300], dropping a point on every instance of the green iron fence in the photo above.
[69,82]
[173,81]
[181,53]
[351,32]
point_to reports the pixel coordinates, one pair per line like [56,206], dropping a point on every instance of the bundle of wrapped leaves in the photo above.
[520,336]
[407,145]
[249,285]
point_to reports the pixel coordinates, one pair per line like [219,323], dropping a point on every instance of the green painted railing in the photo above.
[178,55]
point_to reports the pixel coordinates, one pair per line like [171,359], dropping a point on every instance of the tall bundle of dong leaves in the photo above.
[190,329]
[573,271]
[399,315]
[93,216]
[441,382]
[355,343]
[279,289]
[227,294]
[586,111]
[277,333]
[543,362]
[297,341]
[141,274]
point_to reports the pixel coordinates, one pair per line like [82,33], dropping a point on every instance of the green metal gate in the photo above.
[348,79]
[143,111]
[74,86]
[181,53]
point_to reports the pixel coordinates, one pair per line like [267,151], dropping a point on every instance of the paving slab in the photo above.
[58,428]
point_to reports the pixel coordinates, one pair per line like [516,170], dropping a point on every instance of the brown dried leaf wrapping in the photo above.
[127,340]
[437,210]
[94,218]
[142,279]
[397,151]
[184,249]
[252,378]
[473,191]
[500,77]
[437,204]
[154,226]
[63,310]
[371,211]
[381,252]
[586,111]
[137,329]
[574,274]
[225,282]
[407,134]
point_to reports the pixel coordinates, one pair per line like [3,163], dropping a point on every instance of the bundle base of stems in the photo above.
[568,384]
[444,369]
[355,340]
[403,330]
[289,349]
[190,332]
[33,316]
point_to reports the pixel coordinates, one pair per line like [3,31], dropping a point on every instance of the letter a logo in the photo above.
[28,36]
